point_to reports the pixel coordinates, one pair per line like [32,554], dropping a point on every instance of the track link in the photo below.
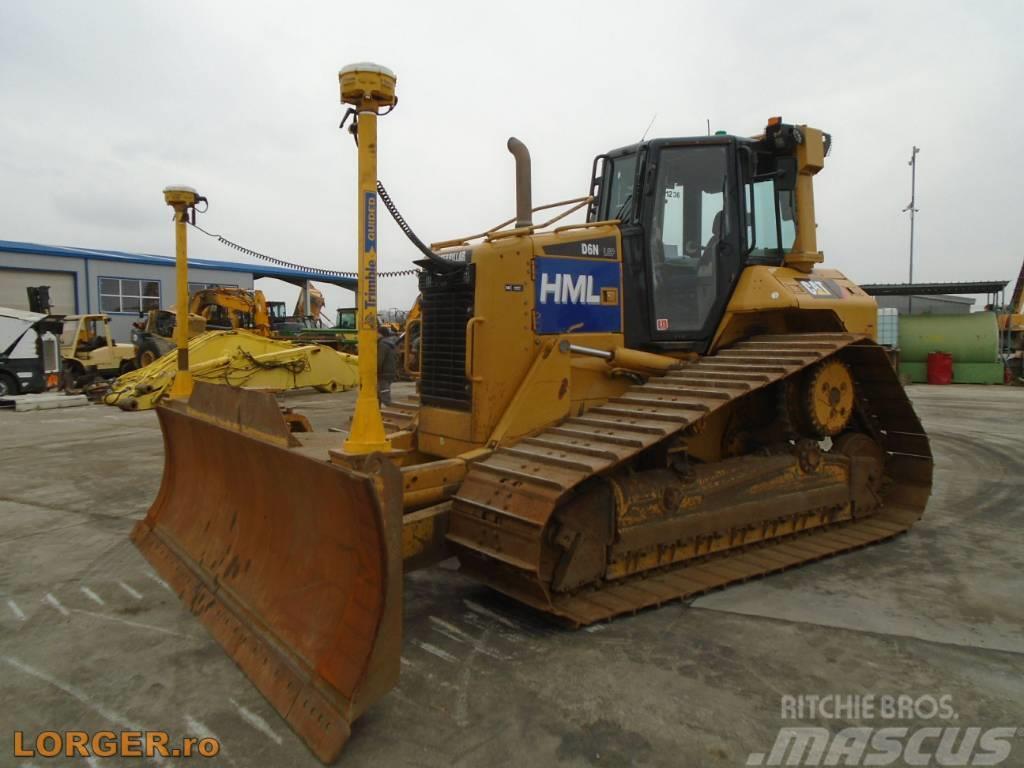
[501,511]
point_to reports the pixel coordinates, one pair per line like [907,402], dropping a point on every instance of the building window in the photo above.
[123,294]
[194,288]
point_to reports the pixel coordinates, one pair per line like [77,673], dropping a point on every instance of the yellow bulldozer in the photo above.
[667,398]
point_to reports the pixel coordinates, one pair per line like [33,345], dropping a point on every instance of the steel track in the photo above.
[501,512]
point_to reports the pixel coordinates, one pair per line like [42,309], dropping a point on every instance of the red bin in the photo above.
[940,368]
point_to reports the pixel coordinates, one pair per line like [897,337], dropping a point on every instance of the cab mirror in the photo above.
[786,179]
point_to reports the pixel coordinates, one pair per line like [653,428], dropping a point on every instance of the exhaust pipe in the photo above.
[524,184]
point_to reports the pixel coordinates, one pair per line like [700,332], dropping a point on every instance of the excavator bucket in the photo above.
[292,563]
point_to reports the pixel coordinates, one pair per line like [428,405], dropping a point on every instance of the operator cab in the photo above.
[85,333]
[694,212]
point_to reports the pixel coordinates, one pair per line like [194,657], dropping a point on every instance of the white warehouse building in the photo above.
[121,284]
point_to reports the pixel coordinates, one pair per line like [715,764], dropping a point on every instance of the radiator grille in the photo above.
[447,304]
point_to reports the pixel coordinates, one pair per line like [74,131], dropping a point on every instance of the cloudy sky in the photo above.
[105,103]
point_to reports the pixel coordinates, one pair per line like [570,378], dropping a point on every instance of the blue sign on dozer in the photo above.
[577,296]
[370,221]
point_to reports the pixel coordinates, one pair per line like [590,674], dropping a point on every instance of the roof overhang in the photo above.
[287,274]
[933,289]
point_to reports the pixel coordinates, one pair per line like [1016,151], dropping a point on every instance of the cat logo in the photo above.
[821,289]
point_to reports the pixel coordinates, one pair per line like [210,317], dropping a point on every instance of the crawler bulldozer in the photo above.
[664,399]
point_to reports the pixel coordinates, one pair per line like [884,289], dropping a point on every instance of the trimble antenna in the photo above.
[369,89]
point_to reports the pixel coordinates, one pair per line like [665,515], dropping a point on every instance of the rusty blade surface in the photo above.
[293,564]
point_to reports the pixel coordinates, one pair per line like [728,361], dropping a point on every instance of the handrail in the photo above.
[577,202]
[587,225]
[409,324]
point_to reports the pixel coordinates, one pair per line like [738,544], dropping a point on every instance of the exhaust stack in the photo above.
[524,183]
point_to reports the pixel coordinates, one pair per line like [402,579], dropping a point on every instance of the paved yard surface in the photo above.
[91,639]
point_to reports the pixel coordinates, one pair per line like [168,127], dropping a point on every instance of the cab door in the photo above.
[693,251]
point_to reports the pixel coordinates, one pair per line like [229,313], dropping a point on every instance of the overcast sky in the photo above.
[105,103]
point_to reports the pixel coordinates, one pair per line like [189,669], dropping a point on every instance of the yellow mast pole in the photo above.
[181,199]
[368,88]
[810,158]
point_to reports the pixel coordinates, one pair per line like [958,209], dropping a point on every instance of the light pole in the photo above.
[911,207]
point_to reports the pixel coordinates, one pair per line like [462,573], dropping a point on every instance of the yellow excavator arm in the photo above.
[238,307]
[310,302]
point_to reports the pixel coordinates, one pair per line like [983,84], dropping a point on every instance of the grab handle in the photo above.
[471,325]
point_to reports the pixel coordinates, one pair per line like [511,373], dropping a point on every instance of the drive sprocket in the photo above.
[828,397]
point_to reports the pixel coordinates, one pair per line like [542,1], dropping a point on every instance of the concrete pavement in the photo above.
[91,639]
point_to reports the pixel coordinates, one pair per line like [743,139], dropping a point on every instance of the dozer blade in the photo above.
[292,563]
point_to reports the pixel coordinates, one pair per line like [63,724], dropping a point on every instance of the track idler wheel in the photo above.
[584,529]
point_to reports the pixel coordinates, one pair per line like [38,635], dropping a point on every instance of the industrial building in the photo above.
[122,284]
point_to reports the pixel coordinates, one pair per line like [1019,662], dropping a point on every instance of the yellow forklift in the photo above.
[89,351]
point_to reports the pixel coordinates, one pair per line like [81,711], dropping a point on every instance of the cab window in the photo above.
[765,222]
[621,177]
